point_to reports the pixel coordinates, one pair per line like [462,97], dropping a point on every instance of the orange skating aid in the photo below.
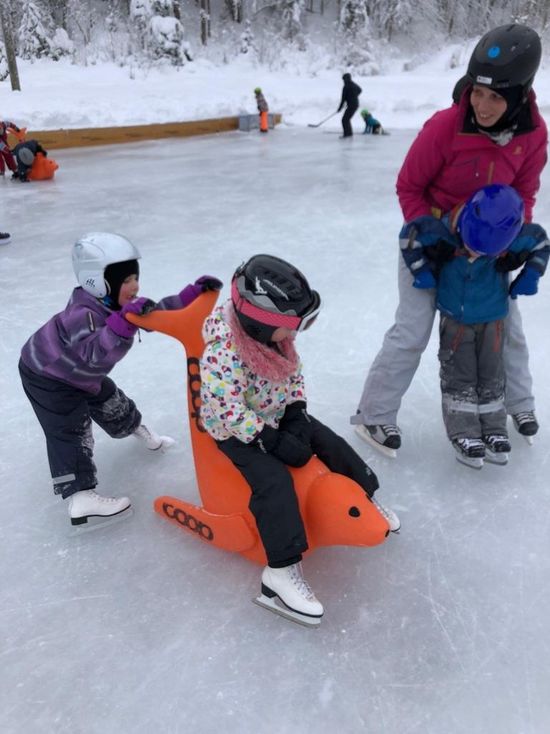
[42,168]
[336,510]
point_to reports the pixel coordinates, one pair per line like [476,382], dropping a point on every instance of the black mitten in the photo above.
[296,421]
[286,447]
[291,450]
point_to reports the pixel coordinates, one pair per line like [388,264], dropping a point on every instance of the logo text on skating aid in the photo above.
[186,520]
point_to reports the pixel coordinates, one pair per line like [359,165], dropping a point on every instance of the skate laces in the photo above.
[470,446]
[497,442]
[297,578]
[526,416]
[104,500]
[390,429]
[386,514]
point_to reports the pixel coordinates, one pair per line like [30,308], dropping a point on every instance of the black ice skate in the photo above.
[385,438]
[497,448]
[469,451]
[287,593]
[526,425]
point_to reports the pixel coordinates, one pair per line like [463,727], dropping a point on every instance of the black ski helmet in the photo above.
[507,56]
[268,292]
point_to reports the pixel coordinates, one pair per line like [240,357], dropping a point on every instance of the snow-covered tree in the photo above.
[160,32]
[61,44]
[291,12]
[34,31]
[247,40]
[235,8]
[355,33]
[4,71]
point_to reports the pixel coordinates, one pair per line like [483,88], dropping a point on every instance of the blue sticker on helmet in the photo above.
[493,52]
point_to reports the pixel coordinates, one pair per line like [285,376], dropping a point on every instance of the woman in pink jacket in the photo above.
[495,134]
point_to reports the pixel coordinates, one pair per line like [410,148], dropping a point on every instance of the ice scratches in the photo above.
[29,607]
[438,608]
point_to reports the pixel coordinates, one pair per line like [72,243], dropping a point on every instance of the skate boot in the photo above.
[469,451]
[4,238]
[152,440]
[526,424]
[87,503]
[388,514]
[497,448]
[286,592]
[386,437]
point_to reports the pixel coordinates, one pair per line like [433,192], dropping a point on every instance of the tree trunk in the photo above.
[10,50]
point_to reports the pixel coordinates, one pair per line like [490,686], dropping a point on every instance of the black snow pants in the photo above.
[346,119]
[472,378]
[66,414]
[274,503]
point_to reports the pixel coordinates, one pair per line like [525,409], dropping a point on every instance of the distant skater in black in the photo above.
[350,98]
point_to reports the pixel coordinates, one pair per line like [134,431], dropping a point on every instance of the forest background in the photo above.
[307,36]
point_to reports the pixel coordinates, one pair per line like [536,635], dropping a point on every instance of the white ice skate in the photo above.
[497,448]
[87,503]
[388,514]
[384,438]
[469,451]
[152,440]
[526,425]
[286,592]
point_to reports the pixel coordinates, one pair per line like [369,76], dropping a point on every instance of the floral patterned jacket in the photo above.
[244,384]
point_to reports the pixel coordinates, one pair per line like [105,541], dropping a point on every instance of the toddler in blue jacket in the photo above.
[486,240]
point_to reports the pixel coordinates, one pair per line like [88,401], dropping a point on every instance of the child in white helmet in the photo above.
[64,367]
[254,405]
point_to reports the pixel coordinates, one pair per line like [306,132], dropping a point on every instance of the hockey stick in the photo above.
[311,124]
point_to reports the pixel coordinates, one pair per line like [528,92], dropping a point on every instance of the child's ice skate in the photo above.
[87,503]
[469,451]
[497,448]
[526,425]
[388,514]
[152,440]
[385,438]
[286,592]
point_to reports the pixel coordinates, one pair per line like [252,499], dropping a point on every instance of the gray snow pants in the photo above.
[393,369]
[65,414]
[472,378]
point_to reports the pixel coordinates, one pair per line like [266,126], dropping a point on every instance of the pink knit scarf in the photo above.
[264,361]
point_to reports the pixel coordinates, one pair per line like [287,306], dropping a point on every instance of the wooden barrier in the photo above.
[81,137]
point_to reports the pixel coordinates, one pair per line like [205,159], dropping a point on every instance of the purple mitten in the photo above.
[117,320]
[202,284]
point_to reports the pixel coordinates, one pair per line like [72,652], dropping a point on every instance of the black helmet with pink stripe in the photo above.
[268,292]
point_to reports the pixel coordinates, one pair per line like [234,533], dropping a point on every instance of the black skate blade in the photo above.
[363,433]
[97,522]
[275,605]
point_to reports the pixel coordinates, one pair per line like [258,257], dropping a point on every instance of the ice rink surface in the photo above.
[139,628]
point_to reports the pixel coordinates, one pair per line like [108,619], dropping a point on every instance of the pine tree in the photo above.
[33,34]
[356,38]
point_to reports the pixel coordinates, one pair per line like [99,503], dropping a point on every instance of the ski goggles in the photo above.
[262,309]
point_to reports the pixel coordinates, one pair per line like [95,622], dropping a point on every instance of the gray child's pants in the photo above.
[472,378]
[393,369]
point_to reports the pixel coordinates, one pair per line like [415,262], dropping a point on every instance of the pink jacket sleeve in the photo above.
[420,167]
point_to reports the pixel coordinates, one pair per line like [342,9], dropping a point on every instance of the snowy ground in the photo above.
[139,628]
[61,95]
